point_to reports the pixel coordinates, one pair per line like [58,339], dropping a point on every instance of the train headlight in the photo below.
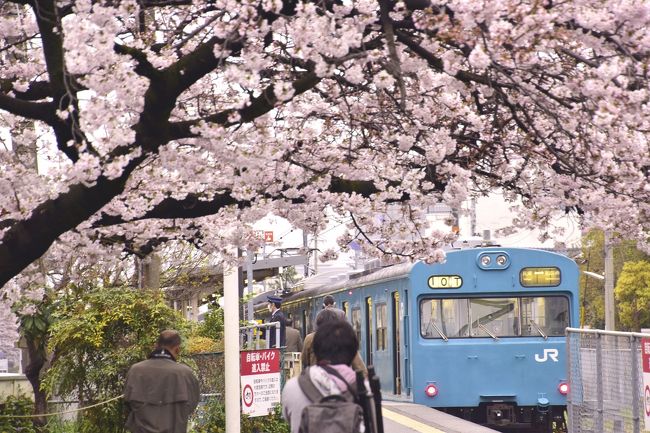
[563,388]
[485,260]
[431,390]
[501,260]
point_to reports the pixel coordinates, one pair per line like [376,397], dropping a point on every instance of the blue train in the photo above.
[481,336]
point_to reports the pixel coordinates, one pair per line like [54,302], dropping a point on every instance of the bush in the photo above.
[97,336]
[198,344]
[16,405]
[212,325]
[211,418]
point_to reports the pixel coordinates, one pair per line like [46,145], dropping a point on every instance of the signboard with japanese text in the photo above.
[645,357]
[260,381]
[267,235]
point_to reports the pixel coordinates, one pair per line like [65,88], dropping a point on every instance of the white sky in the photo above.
[492,213]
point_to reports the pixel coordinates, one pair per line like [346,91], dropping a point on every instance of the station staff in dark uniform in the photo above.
[275,303]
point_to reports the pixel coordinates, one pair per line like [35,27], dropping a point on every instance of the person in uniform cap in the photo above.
[161,393]
[275,303]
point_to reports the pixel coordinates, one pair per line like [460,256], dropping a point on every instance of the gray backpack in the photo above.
[337,413]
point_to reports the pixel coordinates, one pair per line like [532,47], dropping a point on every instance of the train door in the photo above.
[395,341]
[369,331]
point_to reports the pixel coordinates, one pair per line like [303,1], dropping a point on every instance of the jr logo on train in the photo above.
[480,336]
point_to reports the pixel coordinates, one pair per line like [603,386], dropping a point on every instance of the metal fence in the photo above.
[605,376]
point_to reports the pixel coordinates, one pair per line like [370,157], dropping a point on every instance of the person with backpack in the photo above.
[323,398]
[308,356]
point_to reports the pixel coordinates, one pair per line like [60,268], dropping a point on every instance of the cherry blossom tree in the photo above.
[162,120]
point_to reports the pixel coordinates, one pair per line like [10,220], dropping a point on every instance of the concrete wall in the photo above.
[14,384]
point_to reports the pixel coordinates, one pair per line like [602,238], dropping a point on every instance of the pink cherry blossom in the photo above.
[125,131]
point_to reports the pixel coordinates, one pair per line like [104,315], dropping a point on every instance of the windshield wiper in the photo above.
[442,334]
[487,331]
[538,328]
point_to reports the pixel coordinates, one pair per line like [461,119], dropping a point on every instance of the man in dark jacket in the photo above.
[275,303]
[161,393]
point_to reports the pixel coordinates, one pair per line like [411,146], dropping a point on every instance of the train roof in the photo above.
[389,273]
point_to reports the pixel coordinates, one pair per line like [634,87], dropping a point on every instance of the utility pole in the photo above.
[472,217]
[610,318]
[305,245]
[249,280]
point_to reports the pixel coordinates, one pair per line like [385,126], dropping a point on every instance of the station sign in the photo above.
[260,381]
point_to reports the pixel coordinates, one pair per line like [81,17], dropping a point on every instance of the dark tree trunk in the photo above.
[37,360]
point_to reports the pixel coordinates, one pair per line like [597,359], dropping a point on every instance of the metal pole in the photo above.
[636,389]
[610,324]
[249,279]
[600,426]
[305,245]
[572,380]
[231,348]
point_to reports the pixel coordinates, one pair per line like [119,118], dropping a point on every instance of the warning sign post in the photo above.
[260,381]
[645,353]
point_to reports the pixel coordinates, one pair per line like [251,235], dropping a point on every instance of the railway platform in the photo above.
[402,417]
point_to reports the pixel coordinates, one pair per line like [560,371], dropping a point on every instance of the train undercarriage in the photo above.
[510,418]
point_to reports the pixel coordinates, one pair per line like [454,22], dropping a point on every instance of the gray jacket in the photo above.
[294,340]
[161,395]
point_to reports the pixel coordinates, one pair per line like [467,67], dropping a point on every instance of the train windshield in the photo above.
[541,316]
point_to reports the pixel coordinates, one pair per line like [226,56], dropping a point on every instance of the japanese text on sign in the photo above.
[260,381]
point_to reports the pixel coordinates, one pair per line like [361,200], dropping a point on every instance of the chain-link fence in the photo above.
[605,376]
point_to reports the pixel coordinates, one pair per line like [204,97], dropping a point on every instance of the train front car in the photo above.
[489,336]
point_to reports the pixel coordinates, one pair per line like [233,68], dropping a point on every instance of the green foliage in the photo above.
[198,344]
[632,293]
[211,418]
[212,325]
[96,337]
[16,405]
[592,291]
[55,425]
[35,327]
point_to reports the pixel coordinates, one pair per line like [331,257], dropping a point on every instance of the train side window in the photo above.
[382,342]
[346,308]
[356,322]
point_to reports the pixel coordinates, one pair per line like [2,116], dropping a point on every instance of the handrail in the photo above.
[604,332]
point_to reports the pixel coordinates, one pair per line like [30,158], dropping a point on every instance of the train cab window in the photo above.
[346,308]
[382,339]
[444,318]
[541,316]
[494,317]
[356,322]
[544,315]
